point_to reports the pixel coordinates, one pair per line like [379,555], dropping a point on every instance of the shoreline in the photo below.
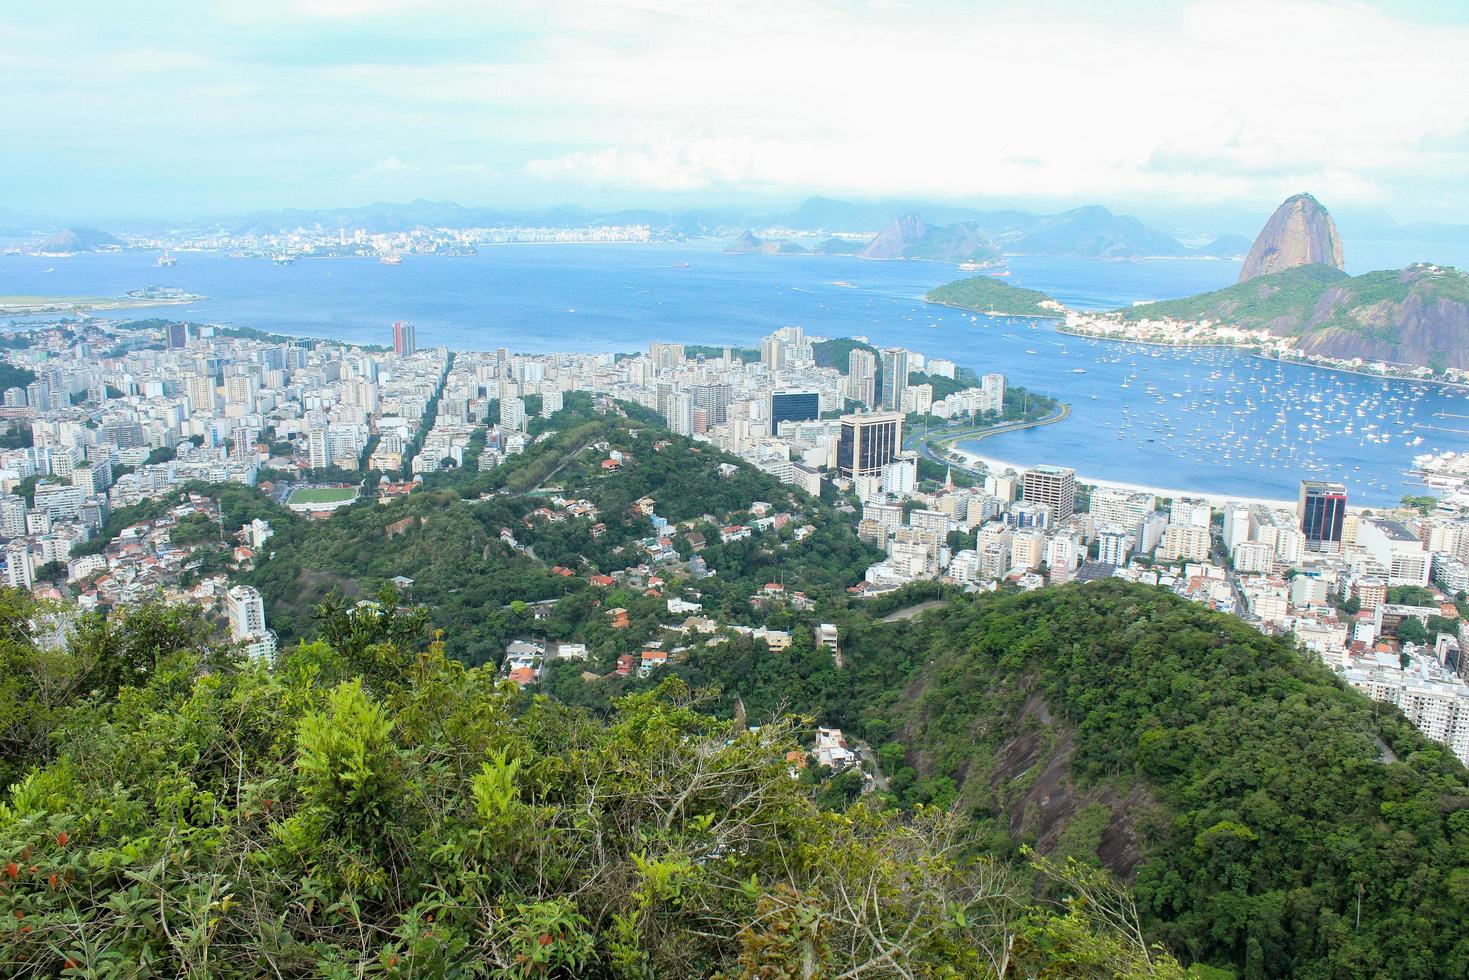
[996,313]
[1212,497]
[1255,351]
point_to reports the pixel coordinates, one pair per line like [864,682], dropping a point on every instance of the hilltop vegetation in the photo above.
[450,541]
[986,294]
[1281,298]
[372,807]
[1235,782]
[1418,315]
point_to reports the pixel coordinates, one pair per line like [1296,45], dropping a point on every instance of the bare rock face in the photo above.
[894,240]
[1300,232]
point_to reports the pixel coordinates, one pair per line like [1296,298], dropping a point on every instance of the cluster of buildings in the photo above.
[288,245]
[1114,325]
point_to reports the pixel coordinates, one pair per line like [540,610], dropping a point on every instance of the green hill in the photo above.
[1282,298]
[1417,316]
[986,294]
[1234,781]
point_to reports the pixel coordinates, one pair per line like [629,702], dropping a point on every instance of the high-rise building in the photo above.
[862,377]
[1322,510]
[1054,486]
[680,413]
[512,414]
[666,357]
[318,449]
[992,393]
[714,400]
[793,406]
[772,353]
[405,338]
[18,567]
[894,378]
[12,516]
[247,621]
[867,443]
[1396,549]
[177,335]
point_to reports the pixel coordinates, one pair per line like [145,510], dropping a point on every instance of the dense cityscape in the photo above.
[122,413]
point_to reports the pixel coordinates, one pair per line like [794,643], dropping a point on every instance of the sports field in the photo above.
[321,495]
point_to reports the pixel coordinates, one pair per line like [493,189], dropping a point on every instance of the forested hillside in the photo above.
[1236,782]
[477,583]
[372,807]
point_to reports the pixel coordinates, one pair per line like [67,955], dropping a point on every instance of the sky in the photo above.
[165,109]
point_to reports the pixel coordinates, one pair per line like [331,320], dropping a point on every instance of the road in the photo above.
[909,612]
[924,443]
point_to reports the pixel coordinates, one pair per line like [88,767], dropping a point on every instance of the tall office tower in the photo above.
[862,377]
[665,357]
[405,339]
[772,353]
[714,400]
[1322,509]
[867,443]
[1052,485]
[177,335]
[793,406]
[894,378]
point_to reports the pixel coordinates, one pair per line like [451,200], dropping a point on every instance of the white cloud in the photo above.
[387,167]
[1224,101]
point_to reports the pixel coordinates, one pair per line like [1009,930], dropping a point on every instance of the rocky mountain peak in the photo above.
[1300,232]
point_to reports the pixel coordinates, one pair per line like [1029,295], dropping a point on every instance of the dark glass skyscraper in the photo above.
[793,406]
[1322,509]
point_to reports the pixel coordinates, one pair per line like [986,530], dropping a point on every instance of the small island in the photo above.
[990,296]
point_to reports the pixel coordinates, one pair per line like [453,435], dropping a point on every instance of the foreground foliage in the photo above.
[374,808]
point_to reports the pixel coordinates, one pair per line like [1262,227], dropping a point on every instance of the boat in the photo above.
[283,259]
[1078,370]
[392,258]
[1032,352]
[166,260]
[844,284]
[680,265]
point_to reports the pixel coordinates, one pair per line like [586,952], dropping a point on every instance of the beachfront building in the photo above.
[1054,486]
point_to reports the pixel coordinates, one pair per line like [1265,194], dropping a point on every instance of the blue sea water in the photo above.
[1207,420]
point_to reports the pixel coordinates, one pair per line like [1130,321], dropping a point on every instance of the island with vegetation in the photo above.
[993,297]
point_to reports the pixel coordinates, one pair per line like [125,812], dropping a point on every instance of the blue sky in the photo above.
[164,108]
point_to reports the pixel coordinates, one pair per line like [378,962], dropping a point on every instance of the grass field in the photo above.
[321,495]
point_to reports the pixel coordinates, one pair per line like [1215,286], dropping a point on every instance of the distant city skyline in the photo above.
[1201,107]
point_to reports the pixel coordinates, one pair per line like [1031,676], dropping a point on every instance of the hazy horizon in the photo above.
[1207,108]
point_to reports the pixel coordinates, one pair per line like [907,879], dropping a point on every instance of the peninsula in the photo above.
[136,299]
